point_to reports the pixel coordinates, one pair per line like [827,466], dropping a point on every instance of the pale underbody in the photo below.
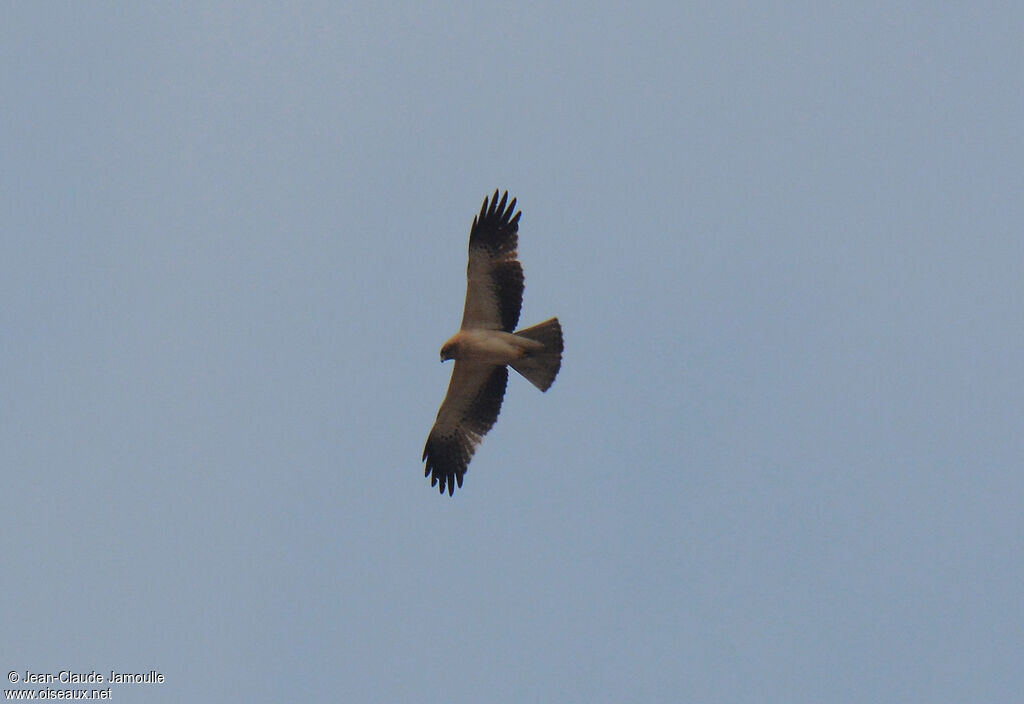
[488,346]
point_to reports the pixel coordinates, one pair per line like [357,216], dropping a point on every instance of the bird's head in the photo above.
[448,351]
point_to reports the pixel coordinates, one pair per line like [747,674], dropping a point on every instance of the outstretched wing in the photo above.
[494,291]
[467,413]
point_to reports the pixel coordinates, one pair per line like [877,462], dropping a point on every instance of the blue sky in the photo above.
[782,460]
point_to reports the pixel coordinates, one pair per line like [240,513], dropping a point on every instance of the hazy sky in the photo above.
[784,458]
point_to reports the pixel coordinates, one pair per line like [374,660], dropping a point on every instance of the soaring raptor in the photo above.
[486,345]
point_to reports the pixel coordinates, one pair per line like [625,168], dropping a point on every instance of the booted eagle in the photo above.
[485,346]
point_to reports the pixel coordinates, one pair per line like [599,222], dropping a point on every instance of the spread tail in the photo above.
[541,366]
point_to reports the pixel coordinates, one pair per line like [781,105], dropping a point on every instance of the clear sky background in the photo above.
[784,458]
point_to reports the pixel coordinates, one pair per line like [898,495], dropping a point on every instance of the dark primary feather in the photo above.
[448,455]
[496,230]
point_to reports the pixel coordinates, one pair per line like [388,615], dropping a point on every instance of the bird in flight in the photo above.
[485,346]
